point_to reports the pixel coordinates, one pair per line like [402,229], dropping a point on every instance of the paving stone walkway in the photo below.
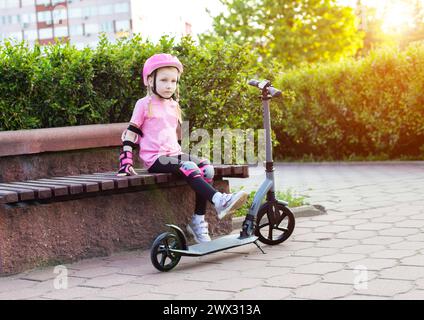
[370,245]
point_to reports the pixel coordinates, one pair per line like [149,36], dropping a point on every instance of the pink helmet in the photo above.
[160,60]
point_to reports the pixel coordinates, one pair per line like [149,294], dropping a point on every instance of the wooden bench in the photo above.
[61,201]
[90,185]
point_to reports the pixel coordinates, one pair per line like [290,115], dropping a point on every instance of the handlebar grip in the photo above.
[254,82]
[274,92]
[265,84]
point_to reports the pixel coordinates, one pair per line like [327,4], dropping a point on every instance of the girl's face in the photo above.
[166,81]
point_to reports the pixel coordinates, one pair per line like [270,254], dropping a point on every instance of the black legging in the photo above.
[171,164]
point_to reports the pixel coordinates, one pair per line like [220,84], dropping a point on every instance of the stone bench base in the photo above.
[40,234]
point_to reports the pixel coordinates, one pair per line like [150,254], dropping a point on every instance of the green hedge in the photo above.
[58,85]
[354,108]
[373,107]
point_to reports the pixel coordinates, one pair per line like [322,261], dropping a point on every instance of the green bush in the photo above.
[355,108]
[371,107]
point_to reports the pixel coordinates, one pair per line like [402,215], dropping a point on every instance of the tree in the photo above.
[291,31]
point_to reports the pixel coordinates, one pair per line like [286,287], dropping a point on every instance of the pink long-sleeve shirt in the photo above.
[159,128]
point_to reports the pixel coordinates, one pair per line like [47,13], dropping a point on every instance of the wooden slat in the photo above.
[8,196]
[40,192]
[133,181]
[119,182]
[23,194]
[105,184]
[74,187]
[148,178]
[56,190]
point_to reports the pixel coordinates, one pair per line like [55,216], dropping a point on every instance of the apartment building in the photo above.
[81,21]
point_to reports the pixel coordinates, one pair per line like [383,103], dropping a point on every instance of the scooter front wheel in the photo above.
[161,255]
[274,223]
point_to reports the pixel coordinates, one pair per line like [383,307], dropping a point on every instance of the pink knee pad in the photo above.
[207,170]
[190,169]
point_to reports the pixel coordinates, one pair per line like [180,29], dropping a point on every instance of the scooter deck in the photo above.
[220,244]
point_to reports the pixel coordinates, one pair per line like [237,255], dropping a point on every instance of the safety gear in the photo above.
[207,170]
[160,60]
[126,164]
[190,169]
[130,139]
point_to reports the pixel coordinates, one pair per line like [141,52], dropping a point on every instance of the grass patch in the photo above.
[289,195]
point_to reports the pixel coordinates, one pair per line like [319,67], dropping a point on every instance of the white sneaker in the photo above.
[199,231]
[228,203]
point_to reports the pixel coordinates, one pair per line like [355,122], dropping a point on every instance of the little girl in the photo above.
[154,124]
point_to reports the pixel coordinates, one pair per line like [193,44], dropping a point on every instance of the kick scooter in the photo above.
[271,222]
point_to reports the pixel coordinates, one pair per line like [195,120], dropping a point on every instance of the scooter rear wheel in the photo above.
[162,257]
[274,223]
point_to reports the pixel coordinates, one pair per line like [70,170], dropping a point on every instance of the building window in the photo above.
[106,10]
[75,13]
[43,2]
[45,16]
[61,32]
[121,7]
[106,26]
[91,28]
[27,3]
[46,33]
[122,25]
[76,30]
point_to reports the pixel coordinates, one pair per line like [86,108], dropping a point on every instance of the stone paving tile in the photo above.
[403,273]
[160,278]
[318,268]
[181,286]
[323,291]
[373,264]
[235,285]
[333,229]
[262,293]
[410,224]
[373,226]
[350,222]
[387,288]
[212,276]
[395,254]
[292,261]
[315,252]
[205,295]
[292,280]
[349,277]
[382,240]
[108,280]
[363,249]
[399,232]
[312,237]
[407,245]
[417,260]
[355,234]
[151,296]
[125,291]
[265,273]
[420,284]
[342,257]
[71,293]
[14,283]
[95,272]
[337,243]
[411,295]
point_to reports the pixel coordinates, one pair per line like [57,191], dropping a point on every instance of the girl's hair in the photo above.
[177,99]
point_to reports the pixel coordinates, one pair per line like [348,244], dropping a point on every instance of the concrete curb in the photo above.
[299,212]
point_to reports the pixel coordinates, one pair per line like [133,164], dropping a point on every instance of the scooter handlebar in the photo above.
[265,84]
